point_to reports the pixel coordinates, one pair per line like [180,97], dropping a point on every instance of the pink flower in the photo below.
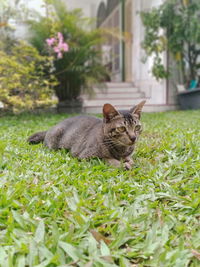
[56,49]
[60,36]
[65,47]
[59,55]
[58,45]
[50,41]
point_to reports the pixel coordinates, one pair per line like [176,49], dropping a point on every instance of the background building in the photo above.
[130,79]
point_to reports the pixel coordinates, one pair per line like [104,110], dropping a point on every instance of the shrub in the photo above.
[24,82]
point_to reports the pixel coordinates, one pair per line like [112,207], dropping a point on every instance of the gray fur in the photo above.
[87,136]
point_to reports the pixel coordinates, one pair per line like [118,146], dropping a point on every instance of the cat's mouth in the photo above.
[125,144]
[131,144]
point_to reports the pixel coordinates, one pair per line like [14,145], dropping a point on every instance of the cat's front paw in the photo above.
[128,165]
[114,162]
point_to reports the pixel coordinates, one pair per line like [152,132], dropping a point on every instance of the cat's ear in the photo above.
[138,109]
[109,112]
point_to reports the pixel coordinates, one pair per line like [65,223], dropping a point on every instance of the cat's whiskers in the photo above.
[116,143]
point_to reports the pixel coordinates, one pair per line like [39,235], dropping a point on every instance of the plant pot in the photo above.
[70,106]
[189,99]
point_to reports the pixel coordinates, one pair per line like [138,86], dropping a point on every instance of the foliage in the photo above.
[174,27]
[11,12]
[23,84]
[59,211]
[79,68]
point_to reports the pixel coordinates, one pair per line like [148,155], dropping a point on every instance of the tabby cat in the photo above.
[112,138]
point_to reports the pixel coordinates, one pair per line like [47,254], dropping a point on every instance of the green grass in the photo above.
[58,211]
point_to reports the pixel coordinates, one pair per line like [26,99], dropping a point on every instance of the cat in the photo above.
[112,139]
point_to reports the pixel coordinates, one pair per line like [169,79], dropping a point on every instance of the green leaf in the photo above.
[45,252]
[3,257]
[70,250]
[21,261]
[105,251]
[40,232]
[43,264]
[33,253]
[18,218]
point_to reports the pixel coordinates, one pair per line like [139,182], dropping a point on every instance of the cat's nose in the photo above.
[133,138]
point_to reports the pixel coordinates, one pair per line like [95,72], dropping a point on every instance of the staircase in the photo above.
[120,95]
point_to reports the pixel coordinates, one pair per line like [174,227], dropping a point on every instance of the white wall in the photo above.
[142,77]
[21,30]
[37,5]
[89,7]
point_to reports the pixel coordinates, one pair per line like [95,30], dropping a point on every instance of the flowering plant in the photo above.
[58,45]
[79,68]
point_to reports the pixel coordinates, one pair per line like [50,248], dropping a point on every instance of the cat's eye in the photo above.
[121,129]
[137,127]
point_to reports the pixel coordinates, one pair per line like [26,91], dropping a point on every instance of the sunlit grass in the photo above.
[58,211]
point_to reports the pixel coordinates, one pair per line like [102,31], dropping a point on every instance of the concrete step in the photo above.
[114,101]
[112,95]
[120,95]
[118,85]
[122,90]
[97,110]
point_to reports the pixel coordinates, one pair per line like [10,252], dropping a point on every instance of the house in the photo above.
[130,80]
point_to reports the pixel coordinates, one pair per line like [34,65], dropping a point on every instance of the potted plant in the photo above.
[80,67]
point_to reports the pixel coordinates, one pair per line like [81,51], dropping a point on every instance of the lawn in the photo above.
[58,211]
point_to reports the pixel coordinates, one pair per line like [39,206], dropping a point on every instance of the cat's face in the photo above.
[122,127]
